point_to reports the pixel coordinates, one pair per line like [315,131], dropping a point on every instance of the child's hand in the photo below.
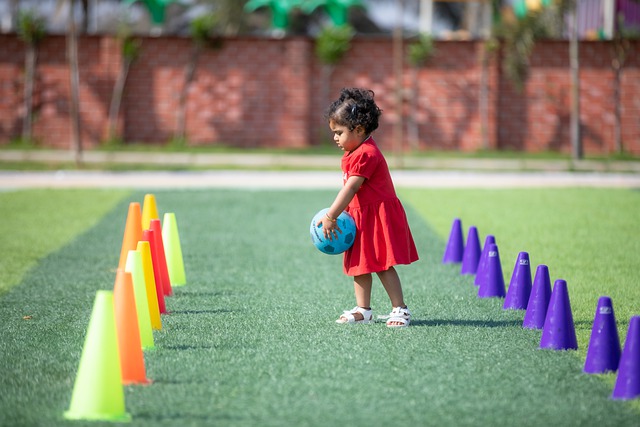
[330,228]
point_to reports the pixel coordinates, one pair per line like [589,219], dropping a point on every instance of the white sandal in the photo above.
[399,315]
[348,316]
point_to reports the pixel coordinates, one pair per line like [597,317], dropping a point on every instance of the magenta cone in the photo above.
[455,246]
[481,272]
[538,300]
[603,353]
[558,332]
[628,379]
[520,285]
[493,286]
[471,255]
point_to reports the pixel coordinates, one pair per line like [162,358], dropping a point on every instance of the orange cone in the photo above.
[164,271]
[149,211]
[129,345]
[149,237]
[150,282]
[132,233]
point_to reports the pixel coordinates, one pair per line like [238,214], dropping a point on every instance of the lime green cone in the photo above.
[134,266]
[173,250]
[98,393]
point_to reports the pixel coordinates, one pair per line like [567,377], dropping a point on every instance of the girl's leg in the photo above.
[362,289]
[391,282]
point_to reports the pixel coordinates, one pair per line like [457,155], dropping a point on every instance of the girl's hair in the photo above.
[354,108]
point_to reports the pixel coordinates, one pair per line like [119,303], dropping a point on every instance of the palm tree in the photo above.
[338,10]
[280,10]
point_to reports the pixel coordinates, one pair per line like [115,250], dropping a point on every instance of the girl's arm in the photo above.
[342,200]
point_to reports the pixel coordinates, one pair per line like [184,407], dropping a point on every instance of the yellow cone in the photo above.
[150,282]
[149,211]
[173,250]
[98,392]
[134,266]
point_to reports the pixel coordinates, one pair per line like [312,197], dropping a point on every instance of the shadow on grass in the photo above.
[469,323]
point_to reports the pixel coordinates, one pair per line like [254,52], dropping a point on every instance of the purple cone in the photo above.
[471,255]
[538,300]
[628,380]
[603,353]
[481,272]
[520,284]
[455,246]
[493,286]
[558,332]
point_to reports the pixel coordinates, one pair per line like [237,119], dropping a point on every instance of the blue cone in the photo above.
[520,284]
[471,255]
[558,332]
[538,300]
[455,246]
[493,286]
[603,353]
[628,380]
[481,272]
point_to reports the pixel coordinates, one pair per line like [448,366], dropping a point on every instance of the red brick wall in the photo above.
[256,92]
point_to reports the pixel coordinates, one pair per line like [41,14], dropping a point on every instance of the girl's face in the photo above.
[347,140]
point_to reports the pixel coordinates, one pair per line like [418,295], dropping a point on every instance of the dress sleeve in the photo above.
[364,164]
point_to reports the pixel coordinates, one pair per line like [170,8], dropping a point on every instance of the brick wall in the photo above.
[255,92]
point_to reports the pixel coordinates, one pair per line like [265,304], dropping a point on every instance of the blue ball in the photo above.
[339,244]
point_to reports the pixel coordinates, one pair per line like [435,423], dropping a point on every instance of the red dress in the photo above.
[383,238]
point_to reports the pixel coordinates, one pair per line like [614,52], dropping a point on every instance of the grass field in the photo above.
[251,339]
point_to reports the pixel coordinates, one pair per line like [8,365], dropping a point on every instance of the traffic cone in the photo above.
[97,392]
[132,232]
[164,271]
[538,299]
[493,286]
[481,272]
[520,285]
[455,246]
[628,379]
[150,282]
[149,211]
[149,237]
[471,255]
[558,332]
[129,345]
[134,266]
[603,353]
[173,250]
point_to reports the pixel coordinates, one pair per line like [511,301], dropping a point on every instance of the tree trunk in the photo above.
[116,100]
[412,123]
[74,107]
[483,97]
[29,78]
[398,44]
[576,143]
[181,113]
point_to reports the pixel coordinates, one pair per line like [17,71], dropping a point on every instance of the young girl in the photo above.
[383,238]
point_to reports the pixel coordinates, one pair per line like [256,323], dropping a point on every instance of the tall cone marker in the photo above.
[493,286]
[481,272]
[603,353]
[520,285]
[149,237]
[173,250]
[558,332]
[150,284]
[132,232]
[538,300]
[471,254]
[164,271]
[149,211]
[134,266]
[130,348]
[628,379]
[455,246]
[98,392]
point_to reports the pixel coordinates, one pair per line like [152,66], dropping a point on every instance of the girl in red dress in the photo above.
[383,238]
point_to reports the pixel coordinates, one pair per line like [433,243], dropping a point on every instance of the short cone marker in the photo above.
[149,237]
[538,300]
[132,233]
[173,250]
[150,283]
[520,285]
[493,286]
[455,246]
[98,392]
[558,332]
[149,211]
[481,272]
[164,271]
[134,266]
[628,380]
[129,345]
[471,255]
[603,353]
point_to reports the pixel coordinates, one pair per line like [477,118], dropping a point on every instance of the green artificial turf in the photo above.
[251,339]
